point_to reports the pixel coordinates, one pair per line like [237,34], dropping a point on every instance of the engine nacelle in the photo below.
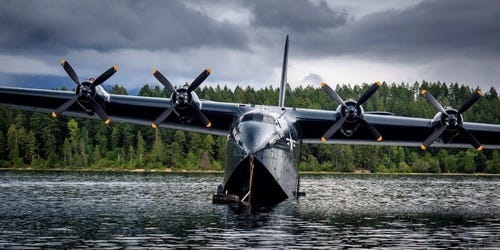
[88,94]
[352,113]
[186,104]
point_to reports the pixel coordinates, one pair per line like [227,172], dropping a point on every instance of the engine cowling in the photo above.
[86,93]
[183,102]
[450,121]
[351,113]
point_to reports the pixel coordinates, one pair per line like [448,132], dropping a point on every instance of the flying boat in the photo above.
[263,142]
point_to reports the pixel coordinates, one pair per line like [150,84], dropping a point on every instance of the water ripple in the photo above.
[117,210]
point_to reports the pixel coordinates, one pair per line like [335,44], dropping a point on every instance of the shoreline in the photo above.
[168,170]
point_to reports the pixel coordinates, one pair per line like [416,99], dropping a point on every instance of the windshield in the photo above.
[258,117]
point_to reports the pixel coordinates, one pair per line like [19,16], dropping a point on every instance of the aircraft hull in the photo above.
[275,176]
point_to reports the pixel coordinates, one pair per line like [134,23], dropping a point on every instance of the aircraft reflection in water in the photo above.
[263,145]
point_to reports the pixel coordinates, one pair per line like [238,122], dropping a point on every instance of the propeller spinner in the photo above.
[85,91]
[182,98]
[350,111]
[451,120]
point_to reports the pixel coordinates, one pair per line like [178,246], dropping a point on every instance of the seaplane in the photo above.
[263,142]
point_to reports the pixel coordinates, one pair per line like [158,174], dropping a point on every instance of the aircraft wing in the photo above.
[395,130]
[130,109]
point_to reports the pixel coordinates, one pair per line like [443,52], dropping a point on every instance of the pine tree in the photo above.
[141,149]
[3,146]
[13,144]
[493,165]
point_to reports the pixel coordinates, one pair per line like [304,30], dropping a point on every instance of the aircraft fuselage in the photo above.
[262,158]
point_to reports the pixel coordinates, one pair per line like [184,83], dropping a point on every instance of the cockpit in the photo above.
[258,117]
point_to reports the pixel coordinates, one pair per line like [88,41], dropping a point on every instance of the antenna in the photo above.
[281,102]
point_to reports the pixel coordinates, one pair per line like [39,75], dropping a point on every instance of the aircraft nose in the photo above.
[256,136]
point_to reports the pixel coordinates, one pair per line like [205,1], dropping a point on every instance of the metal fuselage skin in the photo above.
[270,141]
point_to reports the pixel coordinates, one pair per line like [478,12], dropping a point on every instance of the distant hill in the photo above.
[45,82]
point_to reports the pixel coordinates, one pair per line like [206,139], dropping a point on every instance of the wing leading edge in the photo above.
[395,130]
[130,109]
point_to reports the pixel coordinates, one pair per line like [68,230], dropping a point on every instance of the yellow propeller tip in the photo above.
[154,125]
[54,114]
[115,68]
[480,148]
[379,139]
[63,61]
[154,71]
[209,125]
[322,84]
[423,91]
[379,83]
[423,147]
[323,139]
[479,92]
[107,121]
[209,71]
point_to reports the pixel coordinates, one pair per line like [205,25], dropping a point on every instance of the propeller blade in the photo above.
[332,94]
[100,112]
[70,71]
[105,76]
[373,130]
[433,101]
[162,117]
[336,126]
[368,93]
[203,119]
[471,101]
[65,106]
[161,78]
[473,141]
[433,137]
[199,79]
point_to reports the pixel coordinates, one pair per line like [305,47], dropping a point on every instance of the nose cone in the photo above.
[254,136]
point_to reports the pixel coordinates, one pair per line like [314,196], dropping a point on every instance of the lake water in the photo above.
[160,210]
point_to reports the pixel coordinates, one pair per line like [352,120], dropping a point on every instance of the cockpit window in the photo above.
[258,117]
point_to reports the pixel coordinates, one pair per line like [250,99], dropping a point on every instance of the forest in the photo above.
[31,140]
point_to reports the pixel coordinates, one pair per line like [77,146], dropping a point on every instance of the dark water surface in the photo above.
[110,210]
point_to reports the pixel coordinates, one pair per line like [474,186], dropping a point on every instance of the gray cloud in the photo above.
[428,30]
[296,15]
[243,40]
[57,25]
[312,79]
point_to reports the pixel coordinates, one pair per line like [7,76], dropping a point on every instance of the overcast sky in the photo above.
[340,42]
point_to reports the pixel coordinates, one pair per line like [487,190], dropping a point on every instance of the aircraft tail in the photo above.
[281,102]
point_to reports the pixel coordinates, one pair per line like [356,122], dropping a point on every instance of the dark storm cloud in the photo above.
[296,15]
[54,25]
[432,28]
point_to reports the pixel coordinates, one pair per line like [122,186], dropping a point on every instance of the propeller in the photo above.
[350,111]
[182,97]
[85,91]
[451,120]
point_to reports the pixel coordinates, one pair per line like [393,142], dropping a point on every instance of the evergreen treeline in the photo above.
[35,140]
